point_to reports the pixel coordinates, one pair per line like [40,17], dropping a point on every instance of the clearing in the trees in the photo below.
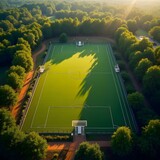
[78,84]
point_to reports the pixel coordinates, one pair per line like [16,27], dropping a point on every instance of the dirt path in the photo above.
[73,146]
[29,76]
[137,86]
[133,79]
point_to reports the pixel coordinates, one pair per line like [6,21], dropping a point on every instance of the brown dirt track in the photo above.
[29,76]
[71,147]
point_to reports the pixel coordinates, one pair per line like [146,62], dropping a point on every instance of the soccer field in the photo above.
[79,83]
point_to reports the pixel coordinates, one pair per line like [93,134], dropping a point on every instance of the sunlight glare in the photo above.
[129,9]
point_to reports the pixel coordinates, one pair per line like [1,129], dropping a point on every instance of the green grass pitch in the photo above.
[79,83]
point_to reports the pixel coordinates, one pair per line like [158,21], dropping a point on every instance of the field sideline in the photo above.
[78,83]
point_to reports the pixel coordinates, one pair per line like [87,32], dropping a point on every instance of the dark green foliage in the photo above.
[24,42]
[150,140]
[63,38]
[19,70]
[34,147]
[151,83]
[121,64]
[125,76]
[23,60]
[122,141]
[15,81]
[89,152]
[155,33]
[145,115]
[57,138]
[129,87]
[8,97]
[6,120]
[132,25]
[142,67]
[10,143]
[14,144]
[136,100]
[157,55]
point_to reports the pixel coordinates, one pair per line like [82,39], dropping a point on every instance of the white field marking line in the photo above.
[98,49]
[61,49]
[53,52]
[99,127]
[126,106]
[66,106]
[30,102]
[107,107]
[110,111]
[36,87]
[46,117]
[39,100]
[73,127]
[87,106]
[123,98]
[115,85]
[54,127]
[73,73]
[95,106]
[123,101]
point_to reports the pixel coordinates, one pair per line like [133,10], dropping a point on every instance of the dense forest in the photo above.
[24,25]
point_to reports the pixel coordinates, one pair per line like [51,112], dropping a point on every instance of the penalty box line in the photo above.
[102,107]
[87,107]
[80,73]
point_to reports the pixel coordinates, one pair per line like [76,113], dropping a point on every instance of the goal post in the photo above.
[41,69]
[79,126]
[76,123]
[79,43]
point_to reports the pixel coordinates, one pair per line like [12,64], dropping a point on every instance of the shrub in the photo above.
[55,156]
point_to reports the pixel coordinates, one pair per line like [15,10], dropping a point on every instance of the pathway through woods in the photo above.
[29,76]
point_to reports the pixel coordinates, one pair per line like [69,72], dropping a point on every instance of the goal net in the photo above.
[79,43]
[41,69]
[79,123]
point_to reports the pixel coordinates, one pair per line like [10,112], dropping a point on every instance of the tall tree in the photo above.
[142,67]
[88,151]
[14,144]
[151,83]
[17,69]
[6,120]
[34,147]
[136,100]
[155,33]
[132,25]
[15,81]
[23,60]
[8,97]
[121,141]
[63,38]
[150,140]
[157,55]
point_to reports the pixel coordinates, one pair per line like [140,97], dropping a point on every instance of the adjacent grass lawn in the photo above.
[79,83]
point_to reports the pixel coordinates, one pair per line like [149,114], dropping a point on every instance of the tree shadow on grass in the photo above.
[62,52]
[95,83]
